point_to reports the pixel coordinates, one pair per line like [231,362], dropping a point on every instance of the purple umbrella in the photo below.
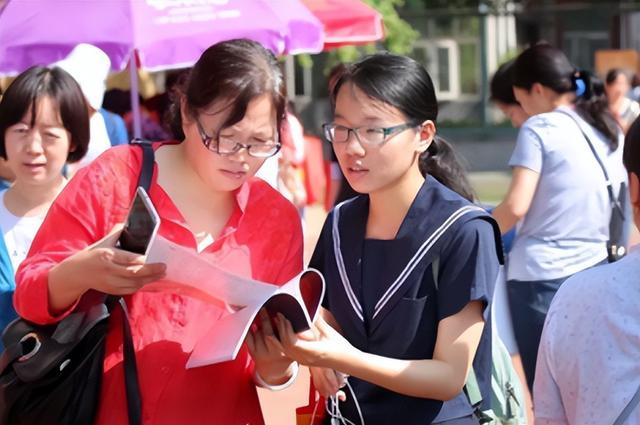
[165,34]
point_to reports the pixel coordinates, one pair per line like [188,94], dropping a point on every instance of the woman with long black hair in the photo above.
[558,193]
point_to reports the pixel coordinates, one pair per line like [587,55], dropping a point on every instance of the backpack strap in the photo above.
[616,204]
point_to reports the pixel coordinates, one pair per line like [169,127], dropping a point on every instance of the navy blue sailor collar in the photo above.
[430,222]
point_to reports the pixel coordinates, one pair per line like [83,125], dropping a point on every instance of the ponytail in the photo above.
[549,66]
[591,104]
[441,161]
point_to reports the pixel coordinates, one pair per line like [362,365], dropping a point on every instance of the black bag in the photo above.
[51,374]
[618,226]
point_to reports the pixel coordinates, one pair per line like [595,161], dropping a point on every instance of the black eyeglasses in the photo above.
[226,146]
[372,136]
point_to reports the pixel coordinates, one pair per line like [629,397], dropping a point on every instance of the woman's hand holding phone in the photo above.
[101,267]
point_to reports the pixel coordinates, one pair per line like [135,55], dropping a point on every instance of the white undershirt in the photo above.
[18,232]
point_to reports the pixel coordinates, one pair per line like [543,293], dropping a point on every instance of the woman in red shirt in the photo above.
[229,115]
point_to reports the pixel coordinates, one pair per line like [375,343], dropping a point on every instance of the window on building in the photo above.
[441,59]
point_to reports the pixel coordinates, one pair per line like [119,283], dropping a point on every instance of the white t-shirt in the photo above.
[18,232]
[589,357]
[567,225]
[98,141]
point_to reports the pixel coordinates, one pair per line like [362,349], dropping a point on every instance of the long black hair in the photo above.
[547,65]
[235,70]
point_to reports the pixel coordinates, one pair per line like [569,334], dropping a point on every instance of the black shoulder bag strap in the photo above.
[616,205]
[626,412]
[132,385]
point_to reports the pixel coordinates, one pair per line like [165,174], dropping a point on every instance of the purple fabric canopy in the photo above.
[165,33]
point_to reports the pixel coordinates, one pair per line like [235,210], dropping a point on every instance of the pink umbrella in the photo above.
[164,34]
[347,22]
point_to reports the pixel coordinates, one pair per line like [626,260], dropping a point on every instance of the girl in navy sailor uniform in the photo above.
[409,264]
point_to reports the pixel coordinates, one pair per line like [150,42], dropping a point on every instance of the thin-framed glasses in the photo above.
[226,146]
[373,136]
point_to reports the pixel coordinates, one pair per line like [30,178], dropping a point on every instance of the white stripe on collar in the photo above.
[353,299]
[419,255]
[411,265]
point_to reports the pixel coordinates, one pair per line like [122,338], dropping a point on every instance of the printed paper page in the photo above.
[192,275]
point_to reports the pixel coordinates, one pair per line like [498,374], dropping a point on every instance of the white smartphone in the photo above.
[141,226]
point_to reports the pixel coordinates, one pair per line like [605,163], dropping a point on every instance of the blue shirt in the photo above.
[384,298]
[116,128]
[7,287]
[567,226]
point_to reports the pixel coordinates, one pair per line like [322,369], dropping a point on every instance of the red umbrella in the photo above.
[347,22]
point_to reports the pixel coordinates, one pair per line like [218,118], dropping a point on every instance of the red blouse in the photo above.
[262,240]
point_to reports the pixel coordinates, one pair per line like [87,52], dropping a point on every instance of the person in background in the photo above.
[159,105]
[44,123]
[291,162]
[501,93]
[89,66]
[203,189]
[595,314]
[501,89]
[116,128]
[151,127]
[617,86]
[557,190]
[634,93]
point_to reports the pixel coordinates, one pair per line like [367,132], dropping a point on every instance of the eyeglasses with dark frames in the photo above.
[226,146]
[371,136]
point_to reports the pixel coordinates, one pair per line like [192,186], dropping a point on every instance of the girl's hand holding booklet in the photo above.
[192,275]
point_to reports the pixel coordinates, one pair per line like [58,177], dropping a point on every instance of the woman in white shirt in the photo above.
[623,109]
[44,123]
[558,193]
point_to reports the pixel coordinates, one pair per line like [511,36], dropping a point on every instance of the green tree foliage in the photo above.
[399,35]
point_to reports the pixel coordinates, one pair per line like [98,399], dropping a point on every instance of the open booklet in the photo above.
[192,275]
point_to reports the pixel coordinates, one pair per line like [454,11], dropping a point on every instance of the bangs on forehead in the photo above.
[363,94]
[31,114]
